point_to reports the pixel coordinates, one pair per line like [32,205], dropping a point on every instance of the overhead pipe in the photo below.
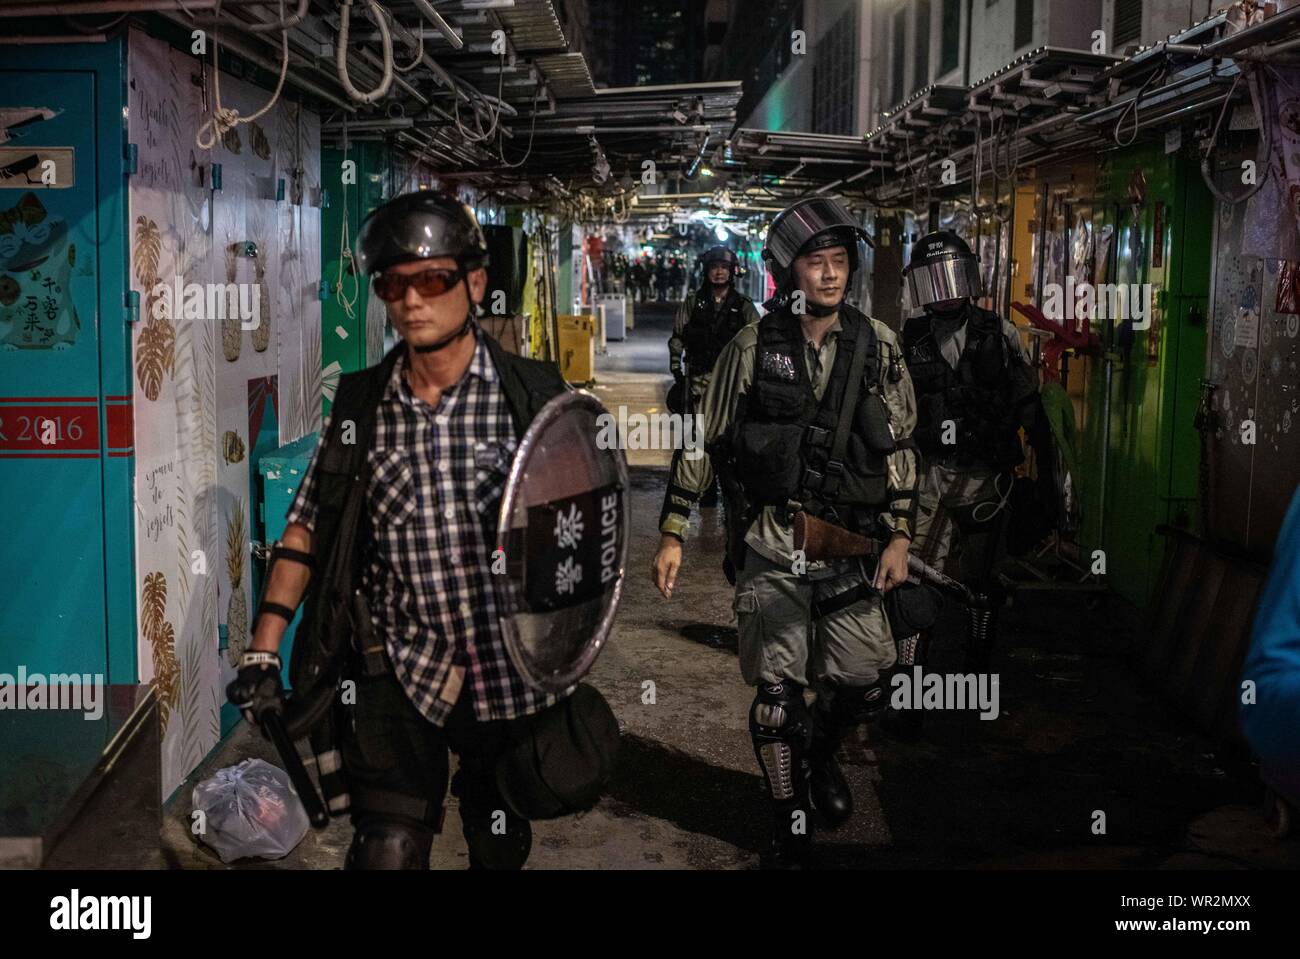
[20,40]
[374,61]
[296,18]
[693,171]
[98,7]
[441,25]
[1224,46]
[108,6]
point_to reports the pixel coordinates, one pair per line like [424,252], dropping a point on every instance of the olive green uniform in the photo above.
[775,592]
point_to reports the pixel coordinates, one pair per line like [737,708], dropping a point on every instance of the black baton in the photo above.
[928,574]
[302,783]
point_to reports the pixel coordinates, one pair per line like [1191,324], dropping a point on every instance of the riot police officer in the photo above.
[975,387]
[802,413]
[706,322]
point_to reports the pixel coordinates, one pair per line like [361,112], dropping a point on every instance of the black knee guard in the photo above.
[851,706]
[912,651]
[782,732]
[839,708]
[389,842]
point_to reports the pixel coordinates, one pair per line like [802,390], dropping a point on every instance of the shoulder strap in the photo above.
[357,399]
[849,402]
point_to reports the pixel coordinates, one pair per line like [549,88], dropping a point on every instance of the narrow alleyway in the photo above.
[1076,733]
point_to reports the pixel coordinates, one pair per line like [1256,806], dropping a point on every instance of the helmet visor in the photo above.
[949,278]
[793,228]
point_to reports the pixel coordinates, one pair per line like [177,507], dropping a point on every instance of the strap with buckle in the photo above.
[842,600]
[817,436]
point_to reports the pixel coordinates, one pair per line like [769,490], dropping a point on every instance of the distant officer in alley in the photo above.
[706,321]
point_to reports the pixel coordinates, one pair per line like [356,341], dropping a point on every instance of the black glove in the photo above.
[257,687]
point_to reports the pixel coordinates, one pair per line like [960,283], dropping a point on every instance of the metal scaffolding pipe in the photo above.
[442,26]
[97,7]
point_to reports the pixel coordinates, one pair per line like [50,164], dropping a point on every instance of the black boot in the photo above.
[790,846]
[829,789]
[902,724]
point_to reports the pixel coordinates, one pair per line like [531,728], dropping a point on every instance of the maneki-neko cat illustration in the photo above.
[36,261]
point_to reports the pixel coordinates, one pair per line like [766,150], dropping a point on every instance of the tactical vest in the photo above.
[783,438]
[975,397]
[321,645]
[707,332]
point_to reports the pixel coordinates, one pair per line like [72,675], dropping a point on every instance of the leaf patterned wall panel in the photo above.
[174,394]
[201,382]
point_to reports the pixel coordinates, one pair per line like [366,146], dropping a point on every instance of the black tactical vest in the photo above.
[782,441]
[321,645]
[707,331]
[975,397]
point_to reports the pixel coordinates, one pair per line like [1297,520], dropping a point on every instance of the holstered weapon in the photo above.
[822,542]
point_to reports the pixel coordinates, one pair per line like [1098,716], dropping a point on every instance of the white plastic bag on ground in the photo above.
[250,810]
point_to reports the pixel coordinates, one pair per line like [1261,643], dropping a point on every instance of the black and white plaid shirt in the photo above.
[437,475]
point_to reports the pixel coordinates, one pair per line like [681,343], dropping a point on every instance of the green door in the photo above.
[347,342]
[1141,450]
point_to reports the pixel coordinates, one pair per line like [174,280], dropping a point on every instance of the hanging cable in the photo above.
[1132,106]
[80,27]
[479,102]
[299,15]
[223,119]
[345,245]
[418,33]
[341,52]
[1005,144]
[501,146]
[1262,117]
[991,509]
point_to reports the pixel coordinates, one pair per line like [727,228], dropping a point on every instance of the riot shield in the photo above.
[564,527]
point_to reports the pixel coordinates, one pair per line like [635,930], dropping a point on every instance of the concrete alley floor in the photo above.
[1077,733]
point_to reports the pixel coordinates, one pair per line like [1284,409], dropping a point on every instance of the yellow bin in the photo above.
[577,348]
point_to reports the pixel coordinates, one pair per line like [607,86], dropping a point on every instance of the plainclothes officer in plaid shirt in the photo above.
[438,676]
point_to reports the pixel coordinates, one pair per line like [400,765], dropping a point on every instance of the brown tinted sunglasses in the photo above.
[391,287]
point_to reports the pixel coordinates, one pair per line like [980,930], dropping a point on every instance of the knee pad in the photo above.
[981,625]
[912,650]
[782,732]
[497,839]
[389,842]
[853,705]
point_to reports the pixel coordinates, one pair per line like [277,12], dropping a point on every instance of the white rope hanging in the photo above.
[225,119]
